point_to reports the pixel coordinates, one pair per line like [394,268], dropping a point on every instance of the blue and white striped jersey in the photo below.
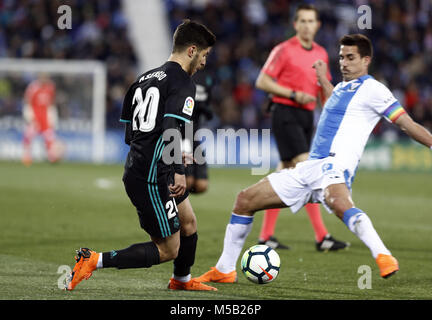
[348,118]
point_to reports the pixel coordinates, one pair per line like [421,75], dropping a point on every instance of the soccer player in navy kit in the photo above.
[160,100]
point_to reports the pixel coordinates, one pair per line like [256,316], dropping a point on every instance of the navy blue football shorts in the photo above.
[157,211]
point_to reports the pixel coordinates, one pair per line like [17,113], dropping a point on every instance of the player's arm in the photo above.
[414,130]
[272,68]
[275,64]
[323,79]
[53,116]
[268,84]
[179,108]
[126,115]
[128,132]
[171,123]
[28,114]
[383,101]
[179,186]
[52,108]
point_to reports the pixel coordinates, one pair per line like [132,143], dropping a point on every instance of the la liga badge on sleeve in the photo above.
[189,106]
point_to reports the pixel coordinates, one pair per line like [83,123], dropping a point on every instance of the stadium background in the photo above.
[132,36]
[47,211]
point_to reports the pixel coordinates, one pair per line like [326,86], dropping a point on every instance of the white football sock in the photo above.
[235,236]
[182,278]
[99,263]
[360,224]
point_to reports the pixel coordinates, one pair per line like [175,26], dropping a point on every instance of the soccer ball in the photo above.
[260,264]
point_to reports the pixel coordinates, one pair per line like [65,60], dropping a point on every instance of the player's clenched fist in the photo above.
[320,69]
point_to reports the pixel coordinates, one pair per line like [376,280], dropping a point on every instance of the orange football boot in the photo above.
[86,263]
[214,275]
[191,285]
[387,264]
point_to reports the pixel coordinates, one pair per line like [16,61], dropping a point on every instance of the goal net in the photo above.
[80,88]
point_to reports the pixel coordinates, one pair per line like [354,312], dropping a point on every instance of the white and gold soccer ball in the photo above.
[260,264]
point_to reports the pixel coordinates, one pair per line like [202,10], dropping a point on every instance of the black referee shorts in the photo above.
[157,211]
[293,129]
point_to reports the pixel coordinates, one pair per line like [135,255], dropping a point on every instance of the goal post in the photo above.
[77,73]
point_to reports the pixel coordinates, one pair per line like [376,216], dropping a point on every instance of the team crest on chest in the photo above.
[354,86]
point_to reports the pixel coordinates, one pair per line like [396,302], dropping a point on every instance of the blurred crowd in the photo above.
[246,30]
[28,29]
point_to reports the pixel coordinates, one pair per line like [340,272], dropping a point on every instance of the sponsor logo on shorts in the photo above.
[327,167]
[176,222]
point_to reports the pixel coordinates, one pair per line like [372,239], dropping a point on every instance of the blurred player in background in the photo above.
[350,114]
[288,76]
[40,115]
[160,100]
[197,172]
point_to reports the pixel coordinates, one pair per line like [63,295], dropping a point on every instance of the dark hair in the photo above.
[362,42]
[192,33]
[306,6]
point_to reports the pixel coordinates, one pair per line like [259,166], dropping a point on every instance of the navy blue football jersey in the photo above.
[167,91]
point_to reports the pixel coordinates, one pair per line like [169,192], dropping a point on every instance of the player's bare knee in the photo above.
[168,253]
[188,222]
[168,247]
[174,252]
[171,254]
[189,227]
[242,203]
[339,204]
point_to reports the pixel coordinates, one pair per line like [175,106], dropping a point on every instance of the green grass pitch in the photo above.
[49,211]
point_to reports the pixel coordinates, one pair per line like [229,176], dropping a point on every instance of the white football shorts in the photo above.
[307,182]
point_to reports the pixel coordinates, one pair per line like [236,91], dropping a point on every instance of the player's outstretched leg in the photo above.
[339,199]
[324,241]
[139,255]
[270,218]
[143,255]
[257,197]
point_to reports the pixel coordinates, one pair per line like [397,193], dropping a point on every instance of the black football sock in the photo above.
[140,255]
[186,255]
